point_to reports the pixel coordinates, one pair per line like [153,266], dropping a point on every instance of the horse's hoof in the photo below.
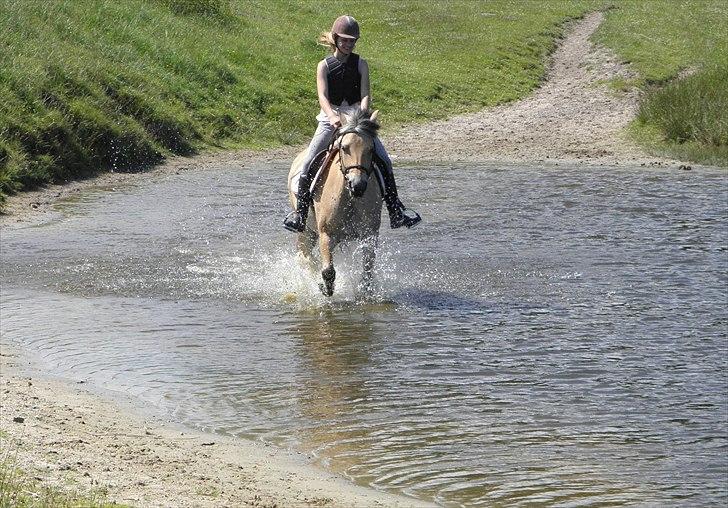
[329,275]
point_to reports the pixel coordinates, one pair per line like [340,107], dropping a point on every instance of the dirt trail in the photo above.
[572,118]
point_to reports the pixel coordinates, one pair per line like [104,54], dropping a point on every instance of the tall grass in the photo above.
[692,109]
[92,85]
[686,116]
[688,119]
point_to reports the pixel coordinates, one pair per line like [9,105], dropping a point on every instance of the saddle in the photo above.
[321,161]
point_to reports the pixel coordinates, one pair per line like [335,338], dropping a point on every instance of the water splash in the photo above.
[282,278]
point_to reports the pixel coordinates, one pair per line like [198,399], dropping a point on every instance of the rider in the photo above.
[342,81]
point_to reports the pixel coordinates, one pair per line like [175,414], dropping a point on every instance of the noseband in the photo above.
[345,169]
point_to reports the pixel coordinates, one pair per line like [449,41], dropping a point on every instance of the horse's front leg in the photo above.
[327,264]
[369,255]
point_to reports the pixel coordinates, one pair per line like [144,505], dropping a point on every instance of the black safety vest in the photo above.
[344,79]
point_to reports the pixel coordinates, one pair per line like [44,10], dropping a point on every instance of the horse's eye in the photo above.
[345,148]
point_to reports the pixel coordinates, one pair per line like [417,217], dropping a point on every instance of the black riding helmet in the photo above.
[346,27]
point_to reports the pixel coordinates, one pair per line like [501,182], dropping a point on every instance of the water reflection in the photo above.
[335,347]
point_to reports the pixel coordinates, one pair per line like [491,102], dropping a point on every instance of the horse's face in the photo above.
[356,152]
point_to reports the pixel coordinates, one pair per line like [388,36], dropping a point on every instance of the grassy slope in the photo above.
[686,118]
[89,85]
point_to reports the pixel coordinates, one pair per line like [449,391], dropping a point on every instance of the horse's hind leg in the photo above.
[327,264]
[306,243]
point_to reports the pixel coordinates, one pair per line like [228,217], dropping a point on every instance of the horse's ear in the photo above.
[374,115]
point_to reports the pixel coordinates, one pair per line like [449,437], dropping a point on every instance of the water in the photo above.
[549,336]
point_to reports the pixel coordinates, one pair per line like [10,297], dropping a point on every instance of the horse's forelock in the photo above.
[360,121]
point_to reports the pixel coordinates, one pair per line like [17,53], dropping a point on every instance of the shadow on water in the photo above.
[424,299]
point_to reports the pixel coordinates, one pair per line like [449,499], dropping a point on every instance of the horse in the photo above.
[347,200]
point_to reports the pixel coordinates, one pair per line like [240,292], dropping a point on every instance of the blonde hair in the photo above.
[328,40]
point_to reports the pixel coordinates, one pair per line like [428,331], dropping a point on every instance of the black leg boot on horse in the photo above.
[399,215]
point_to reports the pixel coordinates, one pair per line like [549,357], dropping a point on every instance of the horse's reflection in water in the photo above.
[335,347]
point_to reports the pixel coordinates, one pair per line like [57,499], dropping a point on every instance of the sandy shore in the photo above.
[69,435]
[69,438]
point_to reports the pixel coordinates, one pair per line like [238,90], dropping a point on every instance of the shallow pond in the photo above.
[550,336]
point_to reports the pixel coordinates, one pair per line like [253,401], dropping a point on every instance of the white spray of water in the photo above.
[280,277]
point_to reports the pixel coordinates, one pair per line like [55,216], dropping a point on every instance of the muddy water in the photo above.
[548,336]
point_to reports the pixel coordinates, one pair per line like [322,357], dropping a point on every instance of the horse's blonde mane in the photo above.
[360,122]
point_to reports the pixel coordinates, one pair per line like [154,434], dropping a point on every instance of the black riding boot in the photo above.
[399,215]
[296,220]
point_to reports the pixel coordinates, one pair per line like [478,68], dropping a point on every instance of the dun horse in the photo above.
[347,199]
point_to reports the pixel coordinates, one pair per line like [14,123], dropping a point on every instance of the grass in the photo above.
[686,117]
[93,85]
[19,490]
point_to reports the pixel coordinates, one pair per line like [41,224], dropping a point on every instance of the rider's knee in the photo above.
[381,153]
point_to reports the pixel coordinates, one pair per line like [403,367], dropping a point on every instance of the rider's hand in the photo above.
[335,121]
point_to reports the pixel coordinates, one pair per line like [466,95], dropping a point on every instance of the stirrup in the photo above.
[294,222]
[405,217]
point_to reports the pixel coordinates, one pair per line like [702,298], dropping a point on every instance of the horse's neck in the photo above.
[335,177]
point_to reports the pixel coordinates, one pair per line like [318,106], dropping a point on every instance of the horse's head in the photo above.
[356,149]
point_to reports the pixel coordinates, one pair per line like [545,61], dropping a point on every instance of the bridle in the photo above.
[338,137]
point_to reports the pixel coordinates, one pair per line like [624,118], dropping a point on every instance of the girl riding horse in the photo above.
[342,81]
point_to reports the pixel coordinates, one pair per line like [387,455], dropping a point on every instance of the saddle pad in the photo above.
[294,184]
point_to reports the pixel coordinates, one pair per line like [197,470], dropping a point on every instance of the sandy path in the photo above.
[69,435]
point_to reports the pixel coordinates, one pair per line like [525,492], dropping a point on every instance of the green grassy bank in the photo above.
[89,85]
[680,50]
[92,85]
